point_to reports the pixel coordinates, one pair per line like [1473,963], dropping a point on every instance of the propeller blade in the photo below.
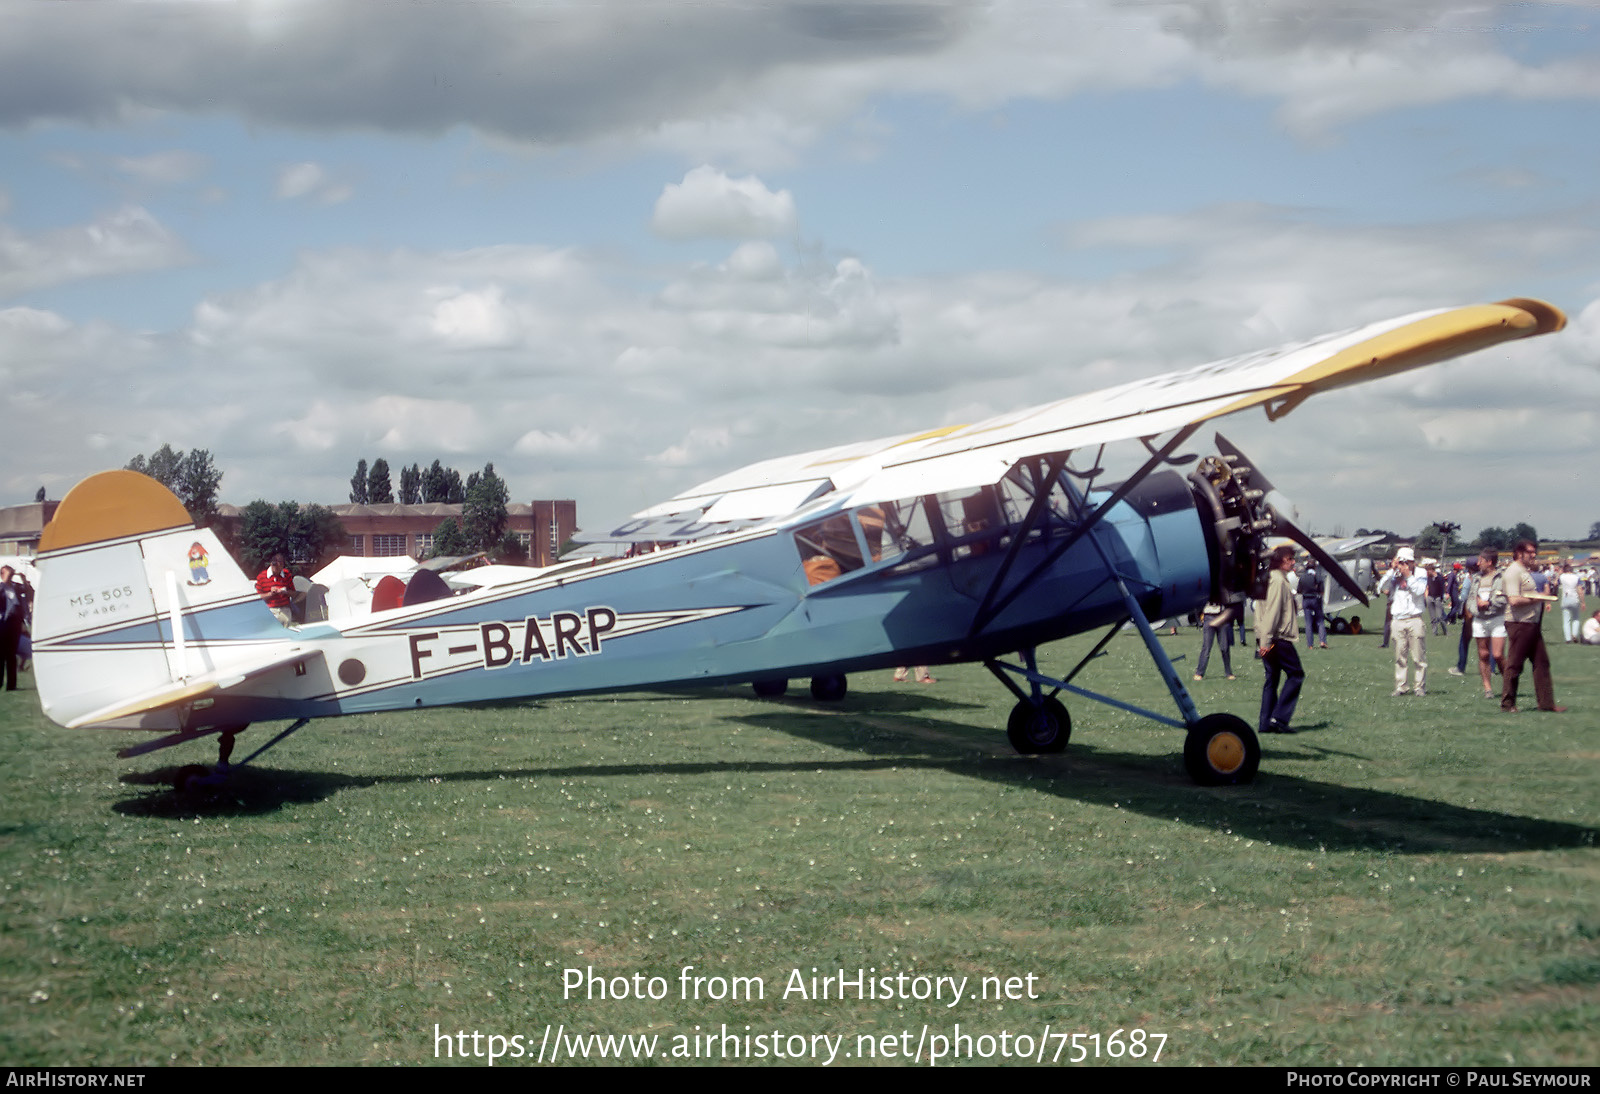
[1239,459]
[1285,527]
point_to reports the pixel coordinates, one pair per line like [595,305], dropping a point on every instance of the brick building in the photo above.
[394,529]
[374,530]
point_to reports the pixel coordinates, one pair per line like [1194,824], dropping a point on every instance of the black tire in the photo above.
[1221,750]
[829,689]
[1037,729]
[770,689]
[1337,625]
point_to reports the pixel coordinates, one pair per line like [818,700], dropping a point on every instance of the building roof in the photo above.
[20,523]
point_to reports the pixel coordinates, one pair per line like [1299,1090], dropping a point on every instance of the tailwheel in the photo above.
[189,775]
[829,689]
[1033,729]
[1221,750]
[770,689]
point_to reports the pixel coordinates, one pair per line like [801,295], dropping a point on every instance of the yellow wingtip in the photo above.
[111,505]
[1546,317]
[1452,333]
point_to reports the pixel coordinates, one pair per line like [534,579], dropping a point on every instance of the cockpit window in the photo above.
[972,520]
[894,529]
[828,548]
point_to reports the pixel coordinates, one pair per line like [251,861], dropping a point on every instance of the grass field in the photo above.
[1408,881]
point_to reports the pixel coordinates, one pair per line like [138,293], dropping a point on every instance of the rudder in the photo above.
[118,564]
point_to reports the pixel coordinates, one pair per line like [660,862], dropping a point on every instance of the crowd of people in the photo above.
[1499,609]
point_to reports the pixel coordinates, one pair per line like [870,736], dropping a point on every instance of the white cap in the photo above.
[1405,554]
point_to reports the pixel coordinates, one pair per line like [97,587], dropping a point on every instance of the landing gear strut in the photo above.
[200,775]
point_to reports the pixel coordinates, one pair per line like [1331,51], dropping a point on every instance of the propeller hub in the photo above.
[1245,511]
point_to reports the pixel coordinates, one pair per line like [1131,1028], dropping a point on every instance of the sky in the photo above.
[618,248]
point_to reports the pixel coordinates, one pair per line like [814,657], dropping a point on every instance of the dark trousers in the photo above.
[1525,640]
[1223,637]
[10,638]
[1282,660]
[1316,623]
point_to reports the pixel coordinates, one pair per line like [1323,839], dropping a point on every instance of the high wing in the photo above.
[783,484]
[965,456]
[1278,379]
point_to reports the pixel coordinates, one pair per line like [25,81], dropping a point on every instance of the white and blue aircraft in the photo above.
[971,543]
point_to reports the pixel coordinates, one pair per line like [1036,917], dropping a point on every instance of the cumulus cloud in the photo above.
[385,423]
[746,83]
[577,382]
[546,443]
[476,320]
[531,73]
[707,203]
[164,168]
[752,300]
[312,182]
[127,240]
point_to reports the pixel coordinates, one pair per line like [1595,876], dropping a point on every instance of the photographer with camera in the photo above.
[1408,608]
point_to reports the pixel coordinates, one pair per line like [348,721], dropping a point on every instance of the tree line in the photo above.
[483,496]
[1442,539]
[374,485]
[310,532]
[313,533]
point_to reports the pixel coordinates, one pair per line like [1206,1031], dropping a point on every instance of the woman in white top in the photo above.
[1570,591]
[1486,600]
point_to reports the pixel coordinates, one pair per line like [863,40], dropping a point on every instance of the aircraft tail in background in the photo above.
[138,612]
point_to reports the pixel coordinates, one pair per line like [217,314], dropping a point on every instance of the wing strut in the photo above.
[997,667]
[1180,694]
[1053,466]
[990,608]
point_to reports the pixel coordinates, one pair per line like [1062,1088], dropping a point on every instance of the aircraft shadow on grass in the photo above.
[1285,809]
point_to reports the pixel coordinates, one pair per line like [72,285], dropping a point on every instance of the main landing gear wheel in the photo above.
[1034,729]
[829,689]
[1221,750]
[770,689]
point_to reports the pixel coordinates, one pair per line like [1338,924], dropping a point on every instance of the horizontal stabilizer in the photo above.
[181,691]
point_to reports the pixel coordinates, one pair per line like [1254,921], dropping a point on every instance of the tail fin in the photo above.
[119,565]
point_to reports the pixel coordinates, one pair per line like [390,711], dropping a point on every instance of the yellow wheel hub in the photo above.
[1225,753]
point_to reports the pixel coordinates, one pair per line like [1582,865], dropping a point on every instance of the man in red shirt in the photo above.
[276,586]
